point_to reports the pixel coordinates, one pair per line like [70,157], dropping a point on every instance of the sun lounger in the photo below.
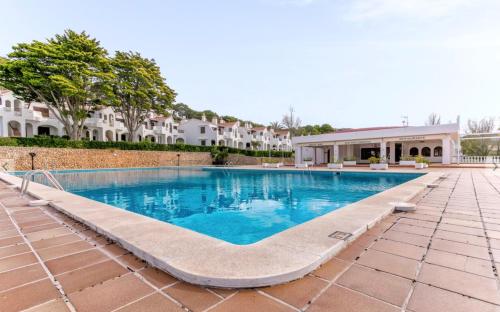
[272,165]
[301,166]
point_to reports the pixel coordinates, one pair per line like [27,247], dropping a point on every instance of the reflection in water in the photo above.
[240,207]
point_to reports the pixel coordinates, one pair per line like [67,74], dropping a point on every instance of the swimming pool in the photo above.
[238,206]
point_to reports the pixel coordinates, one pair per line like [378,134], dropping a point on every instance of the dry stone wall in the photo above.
[18,158]
[67,158]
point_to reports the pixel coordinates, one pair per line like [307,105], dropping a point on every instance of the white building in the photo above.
[233,134]
[21,119]
[439,144]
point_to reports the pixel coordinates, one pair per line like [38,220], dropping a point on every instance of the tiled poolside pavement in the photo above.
[443,257]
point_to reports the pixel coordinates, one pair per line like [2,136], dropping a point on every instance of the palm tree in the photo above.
[276,125]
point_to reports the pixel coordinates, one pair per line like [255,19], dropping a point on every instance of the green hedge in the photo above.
[46,141]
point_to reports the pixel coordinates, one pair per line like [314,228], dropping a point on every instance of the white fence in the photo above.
[478,159]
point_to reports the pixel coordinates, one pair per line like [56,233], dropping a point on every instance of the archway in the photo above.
[95,134]
[179,141]
[222,143]
[14,128]
[169,140]
[240,145]
[413,151]
[29,130]
[426,151]
[438,151]
[109,136]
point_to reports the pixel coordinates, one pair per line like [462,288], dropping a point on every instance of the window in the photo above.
[7,103]
[213,142]
[0,101]
[203,142]
[438,151]
[17,105]
[202,129]
[413,151]
[426,152]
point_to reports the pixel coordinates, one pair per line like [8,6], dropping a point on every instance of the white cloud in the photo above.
[372,9]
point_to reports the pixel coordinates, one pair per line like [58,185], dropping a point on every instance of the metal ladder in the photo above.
[50,177]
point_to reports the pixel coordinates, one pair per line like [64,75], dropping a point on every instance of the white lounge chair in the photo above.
[301,165]
[272,165]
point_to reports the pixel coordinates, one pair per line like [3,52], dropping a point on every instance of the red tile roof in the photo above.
[258,128]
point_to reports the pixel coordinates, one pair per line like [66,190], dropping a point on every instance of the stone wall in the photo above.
[67,158]
[17,158]
[242,160]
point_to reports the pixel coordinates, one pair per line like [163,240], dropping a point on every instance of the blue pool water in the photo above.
[240,206]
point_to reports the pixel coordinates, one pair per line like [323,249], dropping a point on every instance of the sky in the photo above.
[349,63]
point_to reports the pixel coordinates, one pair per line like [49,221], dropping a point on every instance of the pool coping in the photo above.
[200,259]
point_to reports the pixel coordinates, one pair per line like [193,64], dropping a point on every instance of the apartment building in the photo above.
[21,119]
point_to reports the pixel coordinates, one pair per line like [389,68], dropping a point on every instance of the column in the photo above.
[335,153]
[392,147]
[383,147]
[298,155]
[23,128]
[446,159]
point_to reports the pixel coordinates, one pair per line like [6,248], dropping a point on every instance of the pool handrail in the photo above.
[50,177]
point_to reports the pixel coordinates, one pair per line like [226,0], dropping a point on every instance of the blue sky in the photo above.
[350,63]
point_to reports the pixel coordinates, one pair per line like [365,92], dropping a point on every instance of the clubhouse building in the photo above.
[437,143]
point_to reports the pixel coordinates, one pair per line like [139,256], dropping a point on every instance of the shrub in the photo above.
[50,141]
[407,158]
[8,142]
[374,160]
[421,160]
[219,156]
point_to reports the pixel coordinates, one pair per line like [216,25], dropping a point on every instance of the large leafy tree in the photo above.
[139,90]
[70,73]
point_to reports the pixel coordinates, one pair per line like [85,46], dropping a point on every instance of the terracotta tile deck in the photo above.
[443,257]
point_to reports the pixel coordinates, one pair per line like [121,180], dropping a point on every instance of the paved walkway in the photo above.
[441,258]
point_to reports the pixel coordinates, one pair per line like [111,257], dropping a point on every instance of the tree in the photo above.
[485,125]
[70,73]
[291,122]
[276,125]
[139,90]
[433,119]
[326,128]
[478,146]
[255,144]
